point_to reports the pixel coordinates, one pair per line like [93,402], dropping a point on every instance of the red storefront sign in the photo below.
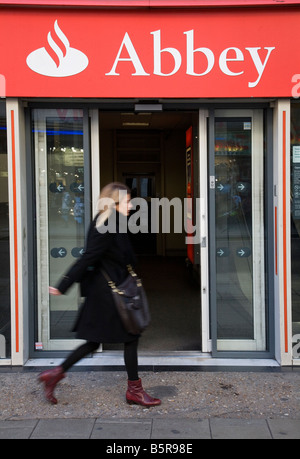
[155,53]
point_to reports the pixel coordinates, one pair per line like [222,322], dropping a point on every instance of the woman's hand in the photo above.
[54,291]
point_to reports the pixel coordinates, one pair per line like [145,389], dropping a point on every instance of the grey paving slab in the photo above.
[239,429]
[150,428]
[17,429]
[180,428]
[122,429]
[63,428]
[285,428]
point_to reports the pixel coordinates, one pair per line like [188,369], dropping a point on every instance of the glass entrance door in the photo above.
[62,215]
[237,231]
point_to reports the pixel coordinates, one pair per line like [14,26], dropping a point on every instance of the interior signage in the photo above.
[133,53]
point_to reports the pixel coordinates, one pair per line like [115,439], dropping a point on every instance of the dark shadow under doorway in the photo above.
[174,300]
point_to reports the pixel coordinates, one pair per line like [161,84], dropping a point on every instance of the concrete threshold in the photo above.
[157,361]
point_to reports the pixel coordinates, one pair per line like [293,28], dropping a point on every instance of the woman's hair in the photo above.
[109,198]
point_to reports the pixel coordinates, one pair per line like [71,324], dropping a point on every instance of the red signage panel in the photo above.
[155,53]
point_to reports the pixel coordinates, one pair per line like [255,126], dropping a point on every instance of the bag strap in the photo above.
[111,283]
[106,275]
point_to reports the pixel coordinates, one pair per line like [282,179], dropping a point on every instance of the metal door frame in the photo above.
[62,344]
[266,124]
[205,293]
[206,169]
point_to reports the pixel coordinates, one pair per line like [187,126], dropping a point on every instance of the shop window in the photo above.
[5,326]
[295,225]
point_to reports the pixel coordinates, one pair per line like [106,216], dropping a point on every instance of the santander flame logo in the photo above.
[60,60]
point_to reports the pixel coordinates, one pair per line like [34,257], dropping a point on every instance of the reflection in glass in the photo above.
[60,216]
[233,173]
[65,207]
[5,325]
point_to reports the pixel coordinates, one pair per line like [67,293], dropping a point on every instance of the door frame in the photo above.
[205,293]
[261,131]
[206,146]
[42,332]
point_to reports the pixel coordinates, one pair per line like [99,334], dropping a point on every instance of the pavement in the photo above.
[173,430]
[196,405]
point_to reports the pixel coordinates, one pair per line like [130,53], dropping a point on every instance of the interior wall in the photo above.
[175,182]
[172,175]
[106,157]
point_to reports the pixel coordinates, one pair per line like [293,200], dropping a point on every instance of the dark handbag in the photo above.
[131,302]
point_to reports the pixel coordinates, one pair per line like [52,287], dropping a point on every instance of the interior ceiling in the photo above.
[130,120]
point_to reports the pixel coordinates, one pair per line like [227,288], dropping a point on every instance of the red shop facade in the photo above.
[194,105]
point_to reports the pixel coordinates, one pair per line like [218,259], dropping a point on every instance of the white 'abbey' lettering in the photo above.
[259,65]
[239,57]
[157,51]
[133,57]
[232,54]
[190,55]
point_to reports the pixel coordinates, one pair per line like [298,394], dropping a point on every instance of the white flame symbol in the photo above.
[64,62]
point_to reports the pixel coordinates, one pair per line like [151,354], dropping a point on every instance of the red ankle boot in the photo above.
[50,378]
[136,394]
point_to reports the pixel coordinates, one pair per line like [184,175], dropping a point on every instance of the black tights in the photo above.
[130,357]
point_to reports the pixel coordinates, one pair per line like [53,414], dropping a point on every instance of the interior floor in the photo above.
[174,301]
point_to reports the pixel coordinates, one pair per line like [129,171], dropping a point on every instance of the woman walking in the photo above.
[98,321]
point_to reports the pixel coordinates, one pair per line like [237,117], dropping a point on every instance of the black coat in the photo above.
[98,319]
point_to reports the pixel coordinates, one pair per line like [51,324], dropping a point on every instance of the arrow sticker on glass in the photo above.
[56,187]
[222,252]
[242,187]
[77,252]
[243,252]
[77,187]
[60,252]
